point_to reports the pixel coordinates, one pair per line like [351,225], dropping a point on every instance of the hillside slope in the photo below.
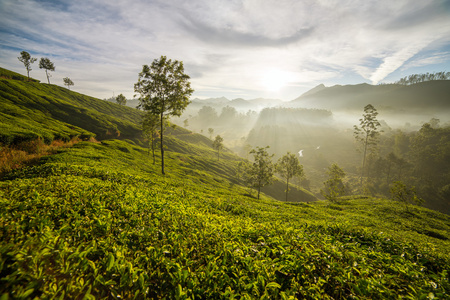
[32,109]
[97,220]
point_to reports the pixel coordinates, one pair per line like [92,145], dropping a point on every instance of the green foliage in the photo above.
[164,91]
[46,64]
[121,100]
[334,186]
[149,131]
[27,60]
[260,172]
[31,110]
[367,134]
[407,195]
[7,74]
[289,166]
[218,145]
[68,82]
[416,78]
[95,221]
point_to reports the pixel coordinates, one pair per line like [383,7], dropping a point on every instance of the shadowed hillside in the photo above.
[416,103]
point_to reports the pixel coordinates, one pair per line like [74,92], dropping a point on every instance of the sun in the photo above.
[274,80]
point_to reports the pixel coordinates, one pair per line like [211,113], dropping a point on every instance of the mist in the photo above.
[318,127]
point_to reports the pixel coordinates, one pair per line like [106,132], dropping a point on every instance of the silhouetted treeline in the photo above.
[419,159]
[416,78]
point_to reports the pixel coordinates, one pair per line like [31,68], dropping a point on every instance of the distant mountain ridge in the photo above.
[395,96]
[239,104]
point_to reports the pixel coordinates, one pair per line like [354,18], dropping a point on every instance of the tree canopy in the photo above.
[289,166]
[164,91]
[27,60]
[46,64]
[68,82]
[367,133]
[121,100]
[333,186]
[260,173]
[218,144]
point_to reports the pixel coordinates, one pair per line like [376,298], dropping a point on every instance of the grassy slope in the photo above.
[32,109]
[99,219]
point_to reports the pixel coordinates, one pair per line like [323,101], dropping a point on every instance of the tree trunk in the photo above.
[287,188]
[48,79]
[153,149]
[162,144]
[364,159]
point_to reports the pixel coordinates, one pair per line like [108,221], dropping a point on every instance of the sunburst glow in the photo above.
[274,80]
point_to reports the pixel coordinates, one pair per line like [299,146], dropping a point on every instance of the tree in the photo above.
[68,82]
[46,64]
[218,144]
[367,135]
[186,123]
[289,166]
[400,192]
[149,130]
[260,173]
[207,115]
[334,187]
[164,91]
[121,100]
[27,60]
[211,132]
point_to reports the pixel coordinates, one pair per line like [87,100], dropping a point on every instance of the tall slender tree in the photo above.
[218,144]
[149,130]
[211,132]
[289,166]
[164,91]
[27,60]
[260,173]
[46,64]
[367,133]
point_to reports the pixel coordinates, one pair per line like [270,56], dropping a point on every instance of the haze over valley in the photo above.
[224,149]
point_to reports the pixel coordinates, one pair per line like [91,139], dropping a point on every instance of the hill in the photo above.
[97,220]
[31,110]
[394,101]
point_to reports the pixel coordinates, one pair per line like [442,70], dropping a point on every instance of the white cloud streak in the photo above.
[227,46]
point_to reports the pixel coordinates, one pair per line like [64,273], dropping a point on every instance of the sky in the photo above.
[230,48]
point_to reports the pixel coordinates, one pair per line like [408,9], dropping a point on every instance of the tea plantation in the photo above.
[98,221]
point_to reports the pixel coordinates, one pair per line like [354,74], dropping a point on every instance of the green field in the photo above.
[98,221]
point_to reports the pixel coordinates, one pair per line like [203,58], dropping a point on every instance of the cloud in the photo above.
[227,37]
[226,45]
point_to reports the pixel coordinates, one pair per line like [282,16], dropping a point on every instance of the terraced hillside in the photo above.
[98,221]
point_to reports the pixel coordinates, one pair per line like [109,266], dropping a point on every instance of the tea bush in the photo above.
[98,221]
